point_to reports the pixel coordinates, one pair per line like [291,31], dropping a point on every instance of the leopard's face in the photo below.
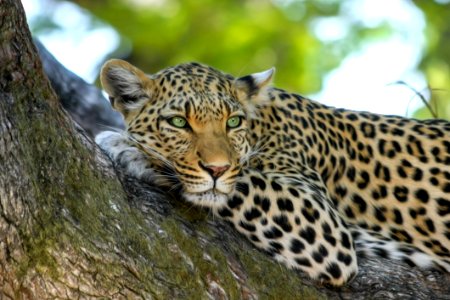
[200,136]
[191,120]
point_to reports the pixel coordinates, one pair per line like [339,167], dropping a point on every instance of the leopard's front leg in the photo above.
[132,161]
[292,219]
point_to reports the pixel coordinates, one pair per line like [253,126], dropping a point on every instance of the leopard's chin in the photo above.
[211,198]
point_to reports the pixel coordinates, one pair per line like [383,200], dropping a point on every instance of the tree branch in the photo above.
[85,103]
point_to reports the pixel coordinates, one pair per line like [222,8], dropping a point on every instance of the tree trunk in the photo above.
[71,227]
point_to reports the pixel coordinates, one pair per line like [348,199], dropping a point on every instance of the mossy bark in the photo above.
[71,227]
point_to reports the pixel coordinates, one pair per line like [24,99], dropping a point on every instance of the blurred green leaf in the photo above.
[246,36]
[436,60]
[239,37]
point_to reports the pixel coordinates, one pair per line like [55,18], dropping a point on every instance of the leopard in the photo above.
[315,187]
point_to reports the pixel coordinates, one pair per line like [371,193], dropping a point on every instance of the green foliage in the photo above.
[239,37]
[242,37]
[436,60]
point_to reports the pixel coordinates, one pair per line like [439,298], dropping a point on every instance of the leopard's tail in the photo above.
[369,243]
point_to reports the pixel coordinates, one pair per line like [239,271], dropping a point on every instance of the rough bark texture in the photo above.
[71,227]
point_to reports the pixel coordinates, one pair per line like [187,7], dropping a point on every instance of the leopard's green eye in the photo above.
[234,122]
[178,122]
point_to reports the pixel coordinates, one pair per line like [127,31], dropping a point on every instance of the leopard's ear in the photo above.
[128,87]
[253,89]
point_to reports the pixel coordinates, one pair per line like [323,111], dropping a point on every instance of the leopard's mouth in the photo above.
[210,198]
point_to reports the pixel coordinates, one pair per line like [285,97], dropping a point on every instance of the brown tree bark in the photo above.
[72,227]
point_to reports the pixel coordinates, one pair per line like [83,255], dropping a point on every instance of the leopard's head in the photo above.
[191,119]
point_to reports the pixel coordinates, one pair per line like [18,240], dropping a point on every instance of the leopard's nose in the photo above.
[214,170]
